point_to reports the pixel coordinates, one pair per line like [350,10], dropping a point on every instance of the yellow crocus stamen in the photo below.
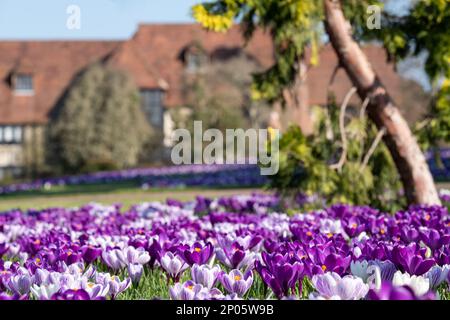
[324,267]
[309,233]
[329,235]
[197,249]
[354,225]
[237,277]
[382,231]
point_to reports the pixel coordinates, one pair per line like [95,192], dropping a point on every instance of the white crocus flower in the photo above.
[420,285]
[329,226]
[44,292]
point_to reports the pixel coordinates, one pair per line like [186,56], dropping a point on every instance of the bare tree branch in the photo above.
[372,148]
[341,162]
[333,76]
[362,112]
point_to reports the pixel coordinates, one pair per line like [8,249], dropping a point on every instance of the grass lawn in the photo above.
[125,193]
[73,196]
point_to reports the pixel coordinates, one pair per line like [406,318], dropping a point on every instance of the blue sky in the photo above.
[100,19]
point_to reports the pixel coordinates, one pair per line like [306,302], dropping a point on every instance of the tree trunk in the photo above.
[297,100]
[410,161]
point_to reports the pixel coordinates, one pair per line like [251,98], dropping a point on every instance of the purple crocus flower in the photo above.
[325,261]
[202,205]
[365,269]
[433,239]
[78,294]
[4,296]
[45,291]
[135,272]
[116,286]
[187,291]
[91,253]
[437,275]
[387,269]
[192,291]
[198,254]
[235,256]
[155,252]
[132,255]
[41,276]
[96,291]
[19,284]
[411,260]
[353,227]
[69,256]
[279,274]
[205,275]
[173,265]
[3,249]
[409,234]
[114,259]
[174,203]
[236,282]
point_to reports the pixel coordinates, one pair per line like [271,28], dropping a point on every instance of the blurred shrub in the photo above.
[219,94]
[314,166]
[99,123]
[98,165]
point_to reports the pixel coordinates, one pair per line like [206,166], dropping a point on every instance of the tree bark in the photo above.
[297,100]
[411,164]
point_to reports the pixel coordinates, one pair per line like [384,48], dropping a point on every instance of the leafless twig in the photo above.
[362,114]
[372,148]
[333,76]
[341,162]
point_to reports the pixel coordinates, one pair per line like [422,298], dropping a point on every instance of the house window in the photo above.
[23,83]
[17,135]
[194,62]
[8,134]
[11,134]
[151,101]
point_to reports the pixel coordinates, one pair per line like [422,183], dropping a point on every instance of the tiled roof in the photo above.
[53,65]
[153,58]
[129,58]
[319,77]
[163,45]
